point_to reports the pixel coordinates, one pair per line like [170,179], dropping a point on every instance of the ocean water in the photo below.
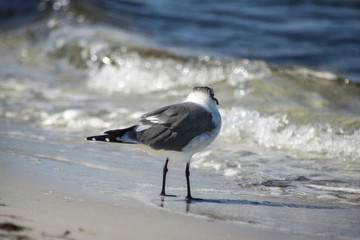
[286,76]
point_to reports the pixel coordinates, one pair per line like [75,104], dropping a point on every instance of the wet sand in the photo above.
[58,186]
[36,206]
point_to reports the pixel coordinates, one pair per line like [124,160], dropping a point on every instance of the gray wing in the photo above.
[174,126]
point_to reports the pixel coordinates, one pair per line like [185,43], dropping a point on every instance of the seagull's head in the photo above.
[203,96]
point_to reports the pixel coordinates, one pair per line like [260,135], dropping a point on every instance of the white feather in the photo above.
[153,119]
[142,127]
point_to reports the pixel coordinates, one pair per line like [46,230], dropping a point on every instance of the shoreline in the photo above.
[51,190]
[27,202]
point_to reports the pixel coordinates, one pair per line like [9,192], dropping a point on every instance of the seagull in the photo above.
[176,131]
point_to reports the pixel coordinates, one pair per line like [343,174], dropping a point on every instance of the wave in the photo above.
[286,108]
[277,132]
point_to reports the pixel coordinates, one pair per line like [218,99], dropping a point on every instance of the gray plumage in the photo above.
[168,128]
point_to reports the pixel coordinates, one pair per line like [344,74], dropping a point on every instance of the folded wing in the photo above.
[168,128]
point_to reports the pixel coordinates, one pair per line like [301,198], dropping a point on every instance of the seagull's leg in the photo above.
[187,175]
[165,170]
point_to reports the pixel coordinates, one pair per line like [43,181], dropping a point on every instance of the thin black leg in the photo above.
[187,175]
[165,170]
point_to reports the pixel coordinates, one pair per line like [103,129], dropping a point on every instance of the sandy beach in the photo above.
[34,206]
[51,190]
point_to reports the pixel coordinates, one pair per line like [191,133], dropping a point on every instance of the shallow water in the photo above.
[289,139]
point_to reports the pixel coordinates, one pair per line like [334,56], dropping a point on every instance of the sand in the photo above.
[36,206]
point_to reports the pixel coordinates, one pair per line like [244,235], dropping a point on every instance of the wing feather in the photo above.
[168,128]
[175,127]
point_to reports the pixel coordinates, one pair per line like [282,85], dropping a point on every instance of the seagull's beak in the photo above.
[217,102]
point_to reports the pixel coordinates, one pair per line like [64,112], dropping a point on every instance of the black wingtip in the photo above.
[90,139]
[111,135]
[103,138]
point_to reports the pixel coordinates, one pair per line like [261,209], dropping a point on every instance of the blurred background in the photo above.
[320,34]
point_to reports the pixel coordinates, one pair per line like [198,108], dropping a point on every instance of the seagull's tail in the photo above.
[112,136]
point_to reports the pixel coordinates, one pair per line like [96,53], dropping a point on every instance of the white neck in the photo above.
[201,99]
[198,97]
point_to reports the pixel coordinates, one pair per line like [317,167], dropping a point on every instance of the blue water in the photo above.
[317,34]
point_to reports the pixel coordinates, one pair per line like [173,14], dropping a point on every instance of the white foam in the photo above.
[307,72]
[129,78]
[73,119]
[137,74]
[335,189]
[275,131]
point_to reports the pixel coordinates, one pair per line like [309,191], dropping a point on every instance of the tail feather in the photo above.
[103,138]
[111,136]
